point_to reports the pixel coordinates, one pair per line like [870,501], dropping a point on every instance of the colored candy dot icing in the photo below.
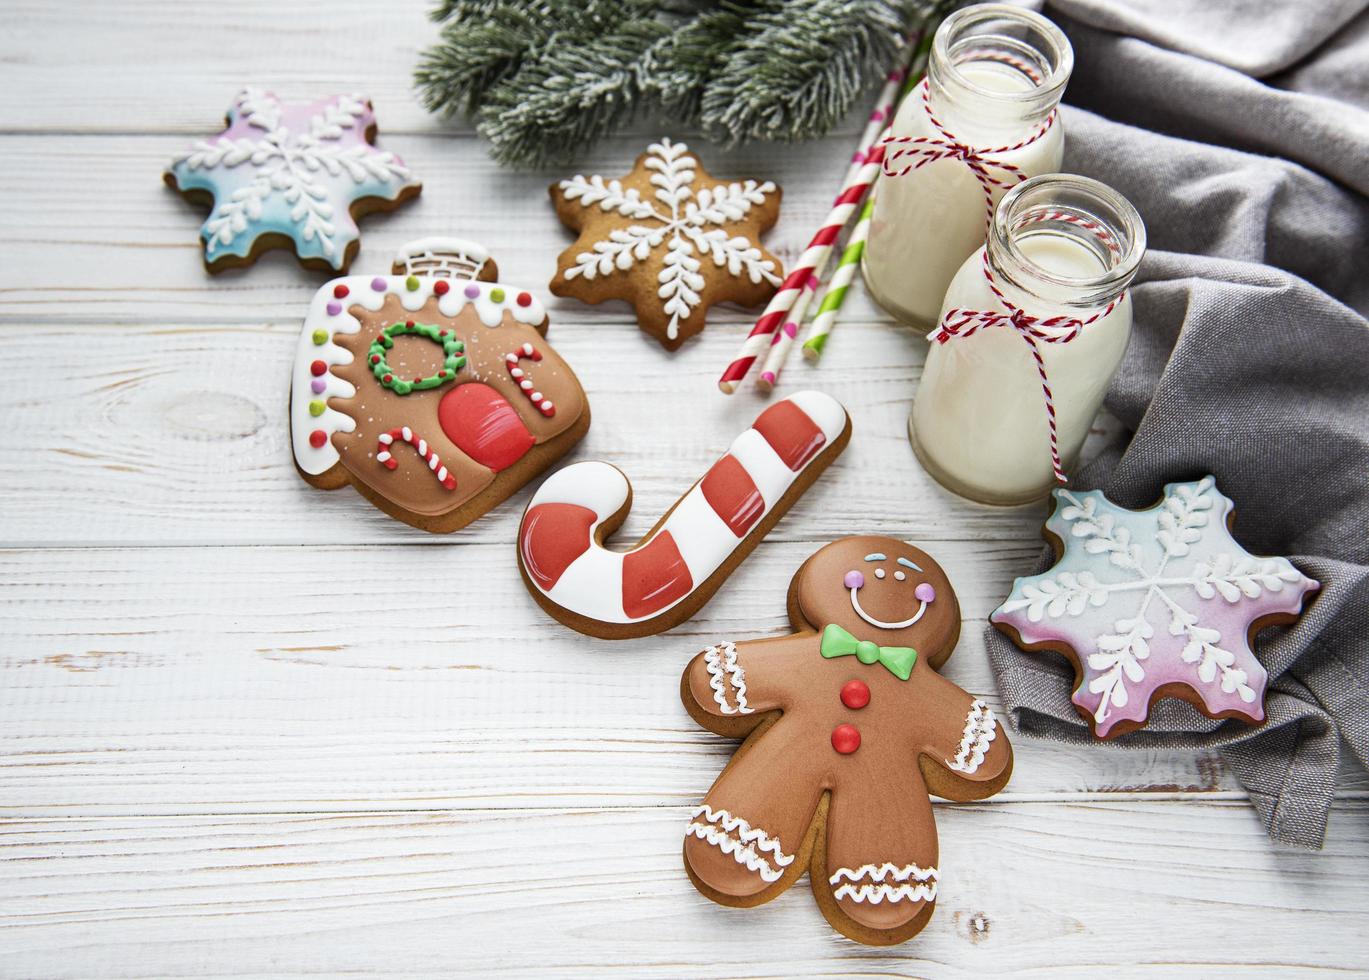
[411,283]
[472,291]
[441,287]
[524,299]
[318,385]
[378,284]
[317,438]
[334,308]
[318,368]
[497,294]
[316,407]
[340,290]
[320,337]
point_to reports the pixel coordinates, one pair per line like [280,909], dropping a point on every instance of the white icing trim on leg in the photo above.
[868,883]
[723,669]
[735,837]
[980,731]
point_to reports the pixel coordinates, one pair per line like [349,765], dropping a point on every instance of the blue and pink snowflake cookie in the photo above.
[1153,603]
[290,175]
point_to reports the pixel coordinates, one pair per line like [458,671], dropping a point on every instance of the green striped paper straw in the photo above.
[821,327]
[824,320]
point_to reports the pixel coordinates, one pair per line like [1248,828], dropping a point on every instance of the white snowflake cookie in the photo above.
[1153,603]
[290,175]
[669,239]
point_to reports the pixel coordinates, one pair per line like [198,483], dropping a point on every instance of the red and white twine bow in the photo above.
[1034,330]
[990,172]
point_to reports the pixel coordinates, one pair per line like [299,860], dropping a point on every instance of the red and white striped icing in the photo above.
[563,561]
[525,385]
[385,456]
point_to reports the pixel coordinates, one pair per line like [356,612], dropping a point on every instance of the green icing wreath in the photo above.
[454,352]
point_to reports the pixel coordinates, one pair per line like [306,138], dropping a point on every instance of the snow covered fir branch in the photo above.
[545,79]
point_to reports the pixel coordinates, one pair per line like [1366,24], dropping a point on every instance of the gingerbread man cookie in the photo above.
[668,238]
[433,390]
[848,728]
[290,175]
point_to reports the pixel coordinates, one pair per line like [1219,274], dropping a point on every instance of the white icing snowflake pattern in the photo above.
[1151,598]
[292,170]
[689,223]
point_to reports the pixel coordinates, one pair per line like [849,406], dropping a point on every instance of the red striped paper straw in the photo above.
[876,128]
[784,337]
[818,249]
[866,167]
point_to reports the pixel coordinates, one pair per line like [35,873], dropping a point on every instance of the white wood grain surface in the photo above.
[250,729]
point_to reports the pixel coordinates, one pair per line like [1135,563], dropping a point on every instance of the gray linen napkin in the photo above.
[1250,353]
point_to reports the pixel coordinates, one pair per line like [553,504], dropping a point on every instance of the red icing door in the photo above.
[484,425]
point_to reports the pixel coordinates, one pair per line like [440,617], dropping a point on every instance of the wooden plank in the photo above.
[199,722]
[1126,889]
[259,679]
[175,69]
[125,248]
[165,434]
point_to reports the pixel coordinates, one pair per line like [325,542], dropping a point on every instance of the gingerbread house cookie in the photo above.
[432,390]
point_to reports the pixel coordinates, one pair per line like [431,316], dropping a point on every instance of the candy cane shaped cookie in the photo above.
[531,353]
[669,575]
[386,458]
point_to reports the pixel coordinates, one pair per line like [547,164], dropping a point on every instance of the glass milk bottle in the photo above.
[982,121]
[1032,330]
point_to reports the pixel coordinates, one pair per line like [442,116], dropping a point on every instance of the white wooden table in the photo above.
[251,728]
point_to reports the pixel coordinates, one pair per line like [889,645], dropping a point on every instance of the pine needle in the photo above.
[544,79]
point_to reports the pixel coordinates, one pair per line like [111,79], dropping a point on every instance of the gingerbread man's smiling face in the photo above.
[881,589]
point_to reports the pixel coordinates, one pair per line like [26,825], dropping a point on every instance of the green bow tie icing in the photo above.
[836,642]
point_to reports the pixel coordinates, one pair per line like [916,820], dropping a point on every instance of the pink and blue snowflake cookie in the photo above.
[290,175]
[1153,603]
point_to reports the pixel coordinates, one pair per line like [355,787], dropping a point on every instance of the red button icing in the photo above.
[845,739]
[317,438]
[340,290]
[855,694]
[483,425]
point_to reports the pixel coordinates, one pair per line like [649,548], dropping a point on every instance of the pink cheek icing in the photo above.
[924,592]
[853,580]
